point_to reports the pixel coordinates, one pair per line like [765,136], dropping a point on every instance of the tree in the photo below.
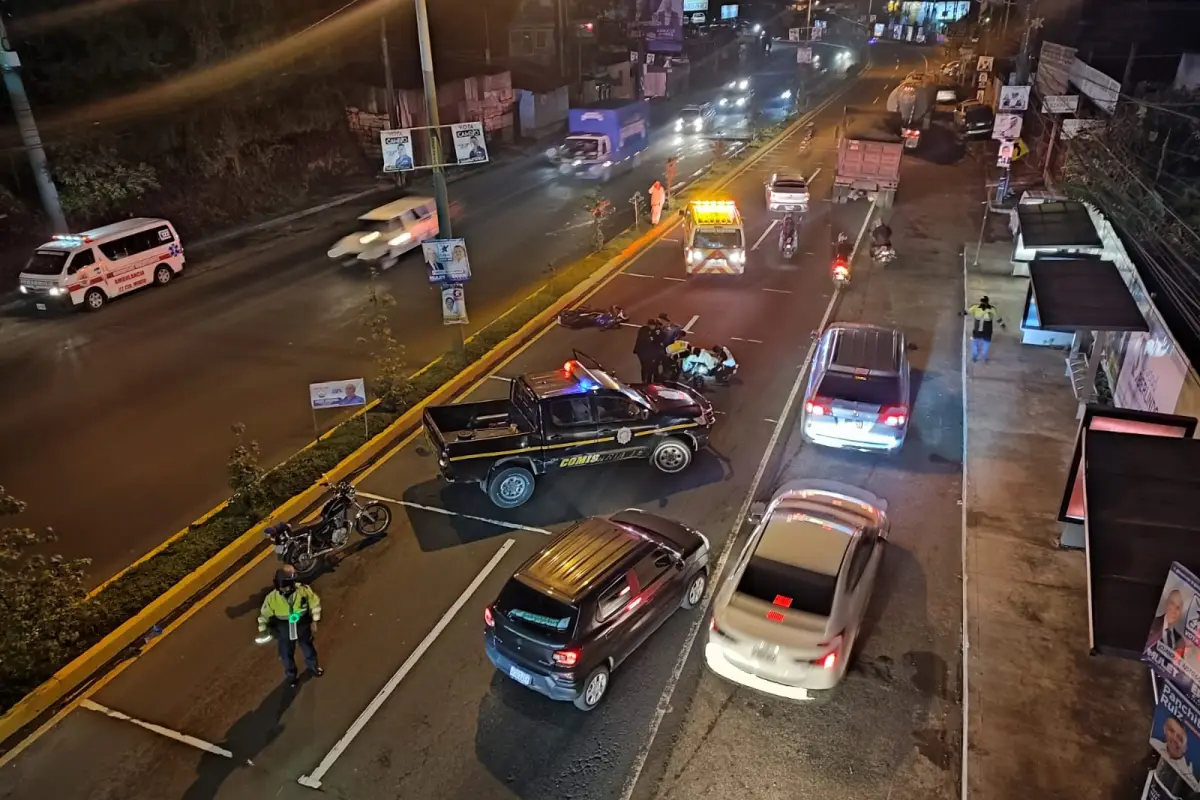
[600,210]
[40,596]
[245,475]
[95,181]
[390,381]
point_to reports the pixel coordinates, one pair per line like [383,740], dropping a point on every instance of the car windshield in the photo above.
[542,616]
[808,591]
[690,114]
[46,262]
[717,240]
[874,390]
[582,148]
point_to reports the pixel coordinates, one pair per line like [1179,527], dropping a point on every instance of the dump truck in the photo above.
[870,144]
[913,101]
[604,139]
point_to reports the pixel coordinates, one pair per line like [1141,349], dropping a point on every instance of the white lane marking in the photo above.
[772,421]
[671,239]
[512,526]
[776,291]
[635,274]
[740,339]
[876,100]
[688,328]
[182,738]
[770,227]
[313,779]
[654,277]
[664,701]
[667,278]
[500,378]
[966,637]
[813,177]
[630,325]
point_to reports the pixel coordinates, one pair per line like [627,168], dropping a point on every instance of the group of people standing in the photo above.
[651,345]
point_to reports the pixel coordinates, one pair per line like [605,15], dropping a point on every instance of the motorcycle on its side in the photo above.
[586,317]
[305,546]
[883,254]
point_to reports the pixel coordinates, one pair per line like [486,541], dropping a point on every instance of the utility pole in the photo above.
[561,18]
[392,111]
[487,38]
[440,196]
[810,5]
[1024,58]
[9,64]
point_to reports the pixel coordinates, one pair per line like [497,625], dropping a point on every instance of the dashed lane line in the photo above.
[776,291]
[740,339]
[512,526]
[770,227]
[182,738]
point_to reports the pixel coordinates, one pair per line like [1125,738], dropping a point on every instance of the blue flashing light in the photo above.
[583,382]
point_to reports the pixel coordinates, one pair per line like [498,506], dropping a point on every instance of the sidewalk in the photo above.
[1046,719]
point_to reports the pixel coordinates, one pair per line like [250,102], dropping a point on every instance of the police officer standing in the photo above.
[290,613]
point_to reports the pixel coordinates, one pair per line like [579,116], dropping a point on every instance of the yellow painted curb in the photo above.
[73,675]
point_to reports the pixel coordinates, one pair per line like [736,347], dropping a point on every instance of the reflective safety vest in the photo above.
[290,610]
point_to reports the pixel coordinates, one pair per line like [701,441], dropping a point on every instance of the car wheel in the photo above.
[162,275]
[594,689]
[695,590]
[511,487]
[94,300]
[672,455]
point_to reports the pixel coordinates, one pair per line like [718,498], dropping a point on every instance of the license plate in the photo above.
[852,423]
[520,676]
[717,262]
[40,306]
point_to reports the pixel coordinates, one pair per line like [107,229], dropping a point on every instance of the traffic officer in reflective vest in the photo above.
[290,613]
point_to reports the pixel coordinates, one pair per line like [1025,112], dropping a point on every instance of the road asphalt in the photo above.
[410,706]
[116,426]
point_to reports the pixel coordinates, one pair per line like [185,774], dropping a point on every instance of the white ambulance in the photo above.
[714,242]
[88,269]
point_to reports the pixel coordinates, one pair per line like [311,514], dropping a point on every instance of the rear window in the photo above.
[871,390]
[790,186]
[770,581]
[542,616]
[979,115]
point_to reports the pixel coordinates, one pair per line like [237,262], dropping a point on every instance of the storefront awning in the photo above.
[1142,495]
[1060,225]
[1083,295]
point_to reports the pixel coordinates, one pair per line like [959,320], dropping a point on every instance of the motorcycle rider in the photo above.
[726,363]
[843,251]
[699,363]
[289,614]
[787,235]
[881,237]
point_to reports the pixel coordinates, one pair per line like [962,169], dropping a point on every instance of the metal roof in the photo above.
[1083,295]
[1064,224]
[586,553]
[71,241]
[804,537]
[860,346]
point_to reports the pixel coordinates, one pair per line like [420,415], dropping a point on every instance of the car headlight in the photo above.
[694,255]
[744,85]
[24,289]
[401,239]
[741,101]
[786,95]
[737,256]
[699,125]
[678,124]
[606,164]
[370,237]
[724,102]
[731,85]
[577,162]
[552,152]
[55,291]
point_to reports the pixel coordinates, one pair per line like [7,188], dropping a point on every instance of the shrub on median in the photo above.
[54,631]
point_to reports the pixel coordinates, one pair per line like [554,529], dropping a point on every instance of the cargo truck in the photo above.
[604,139]
[868,161]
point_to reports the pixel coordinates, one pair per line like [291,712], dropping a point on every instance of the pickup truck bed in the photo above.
[488,420]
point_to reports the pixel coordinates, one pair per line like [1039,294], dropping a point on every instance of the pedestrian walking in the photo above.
[646,348]
[658,198]
[983,314]
[289,614]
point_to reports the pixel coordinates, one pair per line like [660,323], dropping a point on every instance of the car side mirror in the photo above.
[644,414]
[757,512]
[662,562]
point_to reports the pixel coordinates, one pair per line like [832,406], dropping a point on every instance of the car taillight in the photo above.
[775,616]
[894,416]
[488,618]
[566,658]
[819,406]
[829,660]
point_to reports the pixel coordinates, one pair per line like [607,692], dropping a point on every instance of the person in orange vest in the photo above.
[658,198]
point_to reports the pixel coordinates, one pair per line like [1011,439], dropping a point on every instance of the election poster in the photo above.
[1175,733]
[454,305]
[661,23]
[397,150]
[469,147]
[337,394]
[1014,98]
[447,260]
[1173,642]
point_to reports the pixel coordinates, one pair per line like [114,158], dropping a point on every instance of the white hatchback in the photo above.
[786,619]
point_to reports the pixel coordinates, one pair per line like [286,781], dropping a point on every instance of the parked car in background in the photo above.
[787,618]
[974,119]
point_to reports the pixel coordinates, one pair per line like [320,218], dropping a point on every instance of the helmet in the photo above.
[842,238]
[285,580]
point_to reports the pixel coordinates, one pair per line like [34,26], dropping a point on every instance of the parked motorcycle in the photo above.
[585,317]
[305,546]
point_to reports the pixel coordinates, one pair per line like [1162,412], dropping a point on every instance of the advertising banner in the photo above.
[793,34]
[729,12]
[337,394]
[1073,127]
[1060,104]
[397,150]
[1095,84]
[984,64]
[661,23]
[454,305]
[1175,733]
[469,147]
[1171,646]
[447,260]
[1006,126]
[1154,790]
[878,29]
[695,5]
[804,55]
[1054,68]
[1153,371]
[1014,98]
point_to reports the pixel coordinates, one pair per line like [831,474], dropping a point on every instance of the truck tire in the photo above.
[510,487]
[672,455]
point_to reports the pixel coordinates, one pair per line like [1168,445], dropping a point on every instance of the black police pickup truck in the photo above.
[577,416]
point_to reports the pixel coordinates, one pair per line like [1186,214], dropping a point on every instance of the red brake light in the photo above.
[829,660]
[819,406]
[488,618]
[894,416]
[774,616]
[566,658]
[783,602]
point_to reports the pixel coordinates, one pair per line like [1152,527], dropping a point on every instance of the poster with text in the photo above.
[1014,98]
[984,64]
[1153,371]
[1006,126]
[454,305]
[469,147]
[447,260]
[397,150]
[1175,733]
[337,394]
[661,22]
[1174,633]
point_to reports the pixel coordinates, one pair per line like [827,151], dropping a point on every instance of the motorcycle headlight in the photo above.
[24,289]
[786,95]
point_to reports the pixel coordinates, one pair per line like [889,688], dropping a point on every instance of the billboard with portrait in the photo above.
[1173,642]
[661,23]
[1175,733]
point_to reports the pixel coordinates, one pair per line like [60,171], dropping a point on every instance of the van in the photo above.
[88,269]
[388,232]
[858,390]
